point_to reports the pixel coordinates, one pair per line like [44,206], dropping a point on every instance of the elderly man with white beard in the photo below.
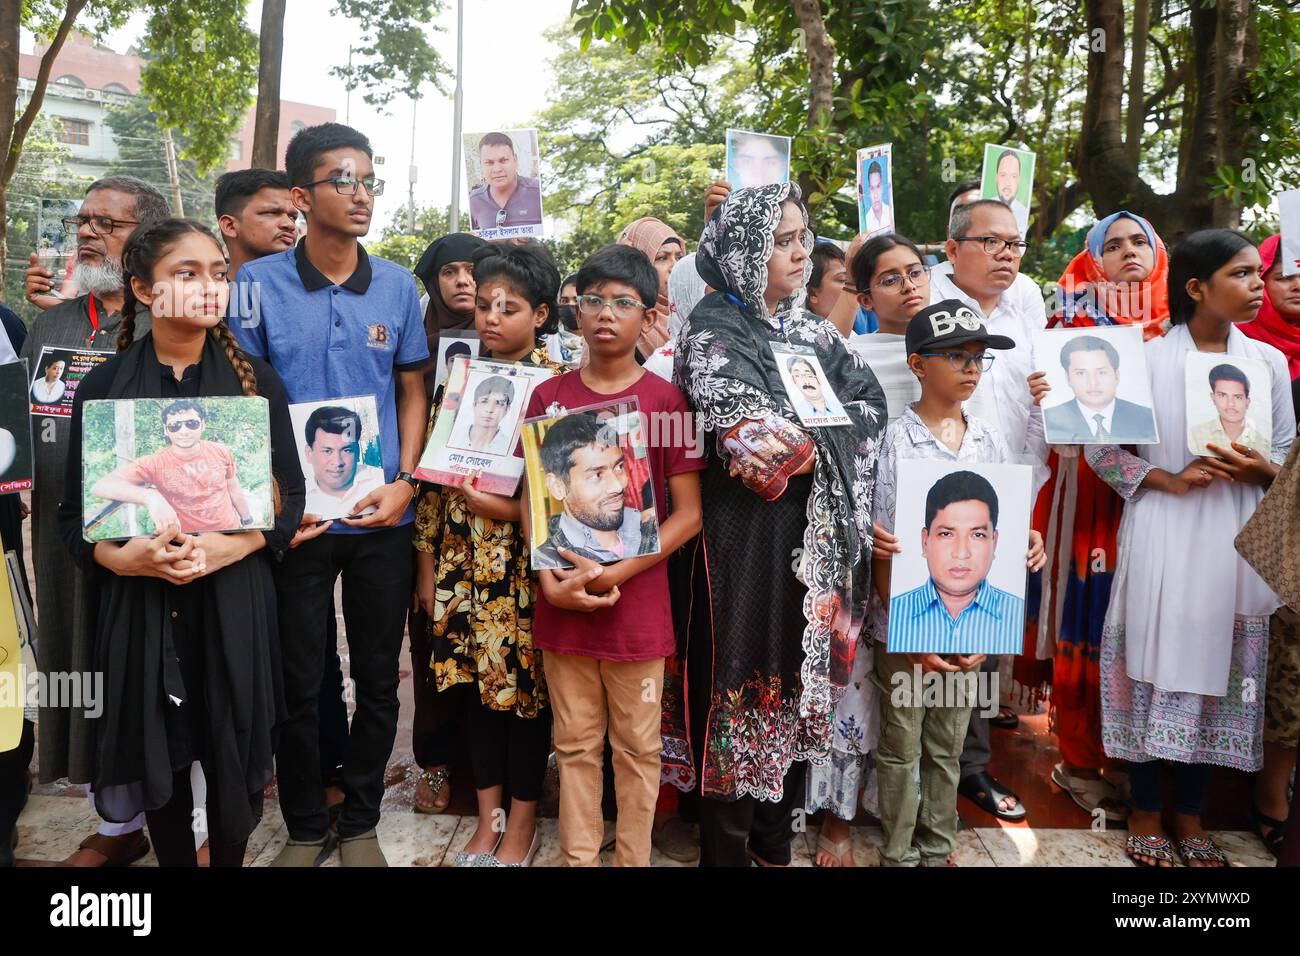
[112,209]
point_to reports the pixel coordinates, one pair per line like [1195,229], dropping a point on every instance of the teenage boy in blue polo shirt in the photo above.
[335,322]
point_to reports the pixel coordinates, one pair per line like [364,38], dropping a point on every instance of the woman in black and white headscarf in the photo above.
[787,526]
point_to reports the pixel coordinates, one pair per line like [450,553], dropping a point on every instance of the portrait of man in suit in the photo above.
[1096,414]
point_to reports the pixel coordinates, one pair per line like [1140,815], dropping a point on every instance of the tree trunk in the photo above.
[10,27]
[1219,57]
[14,134]
[821,69]
[1137,108]
[266,121]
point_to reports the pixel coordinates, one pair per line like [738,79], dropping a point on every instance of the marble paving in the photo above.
[51,827]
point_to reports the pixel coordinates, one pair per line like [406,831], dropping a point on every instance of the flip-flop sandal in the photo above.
[836,850]
[1201,849]
[1273,839]
[1154,845]
[1089,793]
[435,780]
[1005,720]
[986,793]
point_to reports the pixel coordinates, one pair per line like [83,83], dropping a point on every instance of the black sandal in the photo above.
[1273,839]
[986,793]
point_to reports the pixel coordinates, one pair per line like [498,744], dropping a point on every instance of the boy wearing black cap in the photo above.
[948,350]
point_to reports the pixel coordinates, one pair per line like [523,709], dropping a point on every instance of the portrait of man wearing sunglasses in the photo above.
[505,199]
[192,482]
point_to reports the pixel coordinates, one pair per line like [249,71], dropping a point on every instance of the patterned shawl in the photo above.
[726,368]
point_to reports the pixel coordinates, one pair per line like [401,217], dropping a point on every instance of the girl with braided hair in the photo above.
[186,636]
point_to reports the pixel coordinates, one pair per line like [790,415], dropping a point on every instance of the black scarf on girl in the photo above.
[242,693]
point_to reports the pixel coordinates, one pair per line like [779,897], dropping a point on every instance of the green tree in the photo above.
[622,139]
[1183,110]
[138,132]
[393,56]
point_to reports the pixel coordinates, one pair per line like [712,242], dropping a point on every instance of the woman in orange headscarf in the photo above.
[1120,278]
[664,248]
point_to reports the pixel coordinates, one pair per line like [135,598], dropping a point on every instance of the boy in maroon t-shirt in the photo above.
[605,629]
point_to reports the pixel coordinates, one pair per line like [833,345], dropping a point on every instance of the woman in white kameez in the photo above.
[1185,641]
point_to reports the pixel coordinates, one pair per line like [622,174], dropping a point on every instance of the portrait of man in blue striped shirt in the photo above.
[957,610]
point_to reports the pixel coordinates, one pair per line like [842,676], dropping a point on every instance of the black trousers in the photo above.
[171,827]
[14,776]
[376,572]
[332,709]
[728,827]
[508,750]
[438,727]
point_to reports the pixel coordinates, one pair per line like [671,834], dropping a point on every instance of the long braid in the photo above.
[247,381]
[238,360]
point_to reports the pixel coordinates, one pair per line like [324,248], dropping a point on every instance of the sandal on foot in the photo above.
[116,851]
[987,794]
[1273,839]
[1089,793]
[836,850]
[434,781]
[1155,846]
[1201,849]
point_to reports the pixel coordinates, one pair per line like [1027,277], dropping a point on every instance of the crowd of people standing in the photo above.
[704,694]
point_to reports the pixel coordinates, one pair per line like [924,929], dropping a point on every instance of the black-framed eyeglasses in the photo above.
[99,225]
[960,361]
[624,307]
[193,424]
[995,244]
[347,186]
[917,275]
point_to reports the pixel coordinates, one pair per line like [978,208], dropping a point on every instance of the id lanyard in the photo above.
[94,320]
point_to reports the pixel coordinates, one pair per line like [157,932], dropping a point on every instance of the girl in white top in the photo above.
[1185,641]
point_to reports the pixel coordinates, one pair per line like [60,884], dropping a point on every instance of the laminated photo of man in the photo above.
[337,477]
[810,399]
[959,542]
[585,470]
[505,198]
[758,160]
[482,430]
[1095,414]
[1230,392]
[1007,175]
[879,215]
[49,389]
[191,483]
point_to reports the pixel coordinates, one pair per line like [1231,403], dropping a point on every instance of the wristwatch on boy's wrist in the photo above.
[410,479]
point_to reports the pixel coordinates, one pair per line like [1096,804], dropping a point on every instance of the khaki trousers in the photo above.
[590,698]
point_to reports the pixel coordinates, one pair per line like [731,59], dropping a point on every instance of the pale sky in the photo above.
[506,81]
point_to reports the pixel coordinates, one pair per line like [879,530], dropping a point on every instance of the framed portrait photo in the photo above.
[338,448]
[1229,399]
[876,190]
[757,159]
[1101,391]
[202,463]
[590,490]
[1008,175]
[503,170]
[958,586]
[477,428]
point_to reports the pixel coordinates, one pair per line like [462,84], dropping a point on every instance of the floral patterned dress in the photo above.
[481,629]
